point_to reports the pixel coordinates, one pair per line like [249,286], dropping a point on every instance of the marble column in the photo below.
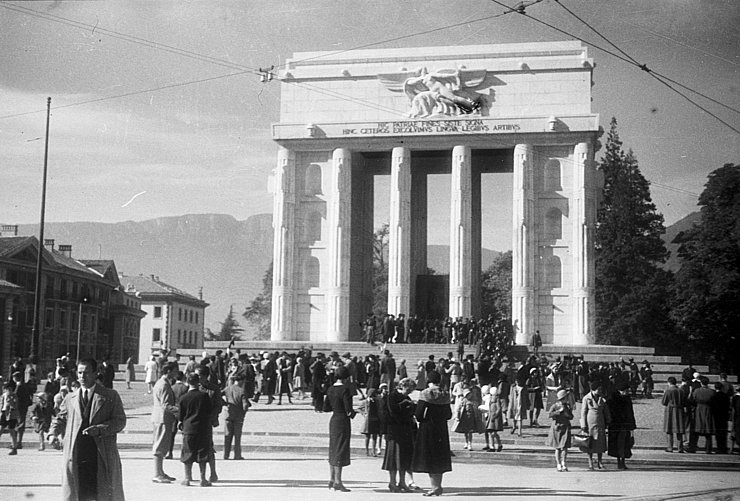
[461,228]
[399,235]
[522,287]
[339,220]
[583,218]
[283,224]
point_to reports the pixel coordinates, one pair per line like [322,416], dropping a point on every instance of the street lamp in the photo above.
[79,327]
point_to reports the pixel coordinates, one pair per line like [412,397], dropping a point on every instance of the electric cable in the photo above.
[629,61]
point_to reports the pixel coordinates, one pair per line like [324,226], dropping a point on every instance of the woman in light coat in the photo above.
[595,418]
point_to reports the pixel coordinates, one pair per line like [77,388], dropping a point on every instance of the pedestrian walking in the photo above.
[195,417]
[9,415]
[151,369]
[130,372]
[559,436]
[41,415]
[432,446]
[594,420]
[90,419]
[621,426]
[339,403]
[674,419]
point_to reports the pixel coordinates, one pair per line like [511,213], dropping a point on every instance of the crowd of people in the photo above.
[482,393]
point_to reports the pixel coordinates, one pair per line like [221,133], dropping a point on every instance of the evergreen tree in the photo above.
[380,270]
[631,290]
[706,304]
[230,328]
[259,312]
[496,288]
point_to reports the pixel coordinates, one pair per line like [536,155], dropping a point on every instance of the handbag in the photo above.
[583,442]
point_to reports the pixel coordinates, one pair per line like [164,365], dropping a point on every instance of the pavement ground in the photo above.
[290,476]
[286,446]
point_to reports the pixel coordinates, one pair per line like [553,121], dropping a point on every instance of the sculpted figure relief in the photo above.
[441,92]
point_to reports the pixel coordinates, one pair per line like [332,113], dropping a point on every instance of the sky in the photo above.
[120,150]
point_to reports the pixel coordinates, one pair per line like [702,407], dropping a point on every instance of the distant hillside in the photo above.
[670,234]
[438,258]
[226,257]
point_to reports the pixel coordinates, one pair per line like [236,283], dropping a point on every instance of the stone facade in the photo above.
[347,117]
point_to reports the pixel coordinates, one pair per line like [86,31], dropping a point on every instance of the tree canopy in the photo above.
[259,312]
[706,300]
[629,252]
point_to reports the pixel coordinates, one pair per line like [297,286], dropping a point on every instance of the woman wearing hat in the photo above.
[594,419]
[559,437]
[339,402]
[432,446]
[399,447]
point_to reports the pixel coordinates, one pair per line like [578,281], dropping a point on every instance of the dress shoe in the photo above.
[161,479]
[412,486]
[433,492]
[404,488]
[185,482]
[205,483]
[213,478]
[393,488]
[340,488]
[240,458]
[171,479]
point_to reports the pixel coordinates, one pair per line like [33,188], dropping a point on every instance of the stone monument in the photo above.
[346,117]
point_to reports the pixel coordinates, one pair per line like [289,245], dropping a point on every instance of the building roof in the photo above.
[151,288]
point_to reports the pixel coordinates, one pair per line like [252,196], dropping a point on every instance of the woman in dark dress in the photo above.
[621,426]
[339,402]
[399,440]
[432,446]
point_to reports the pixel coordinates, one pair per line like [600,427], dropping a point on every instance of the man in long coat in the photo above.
[164,418]
[91,418]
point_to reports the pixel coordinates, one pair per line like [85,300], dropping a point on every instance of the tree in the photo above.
[629,250]
[706,300]
[380,270]
[259,312]
[496,288]
[230,328]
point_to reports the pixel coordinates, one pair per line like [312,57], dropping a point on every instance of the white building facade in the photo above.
[410,113]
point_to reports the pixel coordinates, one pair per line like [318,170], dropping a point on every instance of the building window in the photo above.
[179,314]
[156,334]
[49,318]
[157,312]
[196,317]
[191,316]
[179,337]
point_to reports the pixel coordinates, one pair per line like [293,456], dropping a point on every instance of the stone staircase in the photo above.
[663,365]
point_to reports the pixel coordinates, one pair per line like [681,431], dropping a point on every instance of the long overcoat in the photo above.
[432,445]
[674,419]
[703,420]
[107,412]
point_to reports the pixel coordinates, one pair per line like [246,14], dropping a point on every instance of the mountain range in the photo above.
[226,257]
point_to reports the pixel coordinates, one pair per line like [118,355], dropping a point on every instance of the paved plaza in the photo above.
[286,447]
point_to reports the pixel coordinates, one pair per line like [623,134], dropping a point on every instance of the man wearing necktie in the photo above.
[92,418]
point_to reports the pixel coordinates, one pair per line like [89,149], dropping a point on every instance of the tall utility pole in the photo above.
[39,261]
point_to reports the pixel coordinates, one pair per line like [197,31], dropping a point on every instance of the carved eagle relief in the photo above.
[445,91]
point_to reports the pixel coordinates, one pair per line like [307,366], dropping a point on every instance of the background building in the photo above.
[79,301]
[175,319]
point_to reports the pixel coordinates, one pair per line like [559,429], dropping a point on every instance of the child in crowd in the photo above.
[41,414]
[493,417]
[466,416]
[9,415]
[559,437]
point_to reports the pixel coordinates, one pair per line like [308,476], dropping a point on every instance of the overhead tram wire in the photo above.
[411,35]
[629,61]
[245,69]
[643,66]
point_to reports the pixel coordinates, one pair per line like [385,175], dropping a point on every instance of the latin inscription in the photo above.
[431,127]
